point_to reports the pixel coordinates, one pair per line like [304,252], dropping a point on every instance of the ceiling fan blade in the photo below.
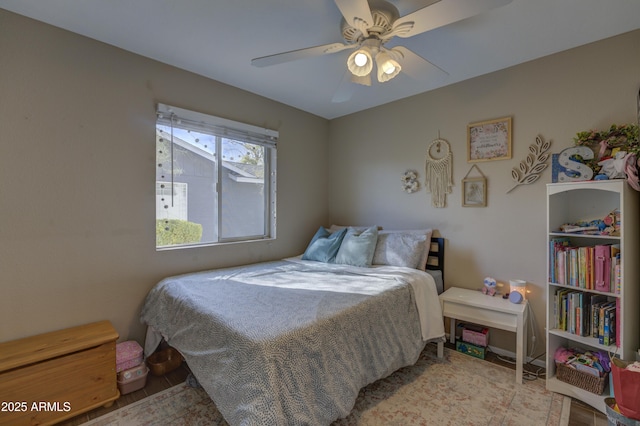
[440,14]
[356,13]
[345,89]
[294,55]
[416,66]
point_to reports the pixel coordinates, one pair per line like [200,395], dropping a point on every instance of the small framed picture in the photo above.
[474,192]
[489,140]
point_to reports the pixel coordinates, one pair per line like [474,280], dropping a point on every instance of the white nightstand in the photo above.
[491,311]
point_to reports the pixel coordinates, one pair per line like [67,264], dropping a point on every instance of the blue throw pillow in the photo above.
[324,245]
[358,247]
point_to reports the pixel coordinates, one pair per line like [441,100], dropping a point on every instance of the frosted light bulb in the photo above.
[388,68]
[360,59]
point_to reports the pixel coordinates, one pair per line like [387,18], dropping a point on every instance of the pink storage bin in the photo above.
[476,335]
[128,355]
[133,373]
[132,379]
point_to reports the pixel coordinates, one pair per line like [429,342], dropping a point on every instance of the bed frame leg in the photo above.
[440,350]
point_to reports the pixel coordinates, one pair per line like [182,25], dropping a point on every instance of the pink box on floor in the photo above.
[128,355]
[132,379]
[476,335]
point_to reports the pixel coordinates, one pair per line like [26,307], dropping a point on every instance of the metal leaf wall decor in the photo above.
[530,168]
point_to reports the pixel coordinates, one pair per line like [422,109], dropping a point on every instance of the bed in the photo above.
[293,341]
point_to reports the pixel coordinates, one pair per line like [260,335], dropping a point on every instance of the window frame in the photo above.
[244,133]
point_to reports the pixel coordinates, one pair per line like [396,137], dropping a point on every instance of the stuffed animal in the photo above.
[609,225]
[563,355]
[614,167]
[489,286]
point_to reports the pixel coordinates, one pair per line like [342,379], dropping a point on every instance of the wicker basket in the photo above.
[164,361]
[580,379]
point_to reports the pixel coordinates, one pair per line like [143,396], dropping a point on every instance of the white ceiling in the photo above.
[218,39]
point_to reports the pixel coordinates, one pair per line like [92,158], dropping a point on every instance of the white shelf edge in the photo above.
[574,235]
[584,290]
[585,340]
[596,401]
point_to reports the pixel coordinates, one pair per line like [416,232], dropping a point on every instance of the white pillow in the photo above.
[335,228]
[403,248]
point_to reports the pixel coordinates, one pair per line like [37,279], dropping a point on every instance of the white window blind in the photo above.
[217,126]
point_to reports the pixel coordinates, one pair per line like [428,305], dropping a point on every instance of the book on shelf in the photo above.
[590,267]
[611,334]
[595,267]
[564,296]
[582,267]
[608,336]
[555,245]
[597,300]
[616,258]
[603,267]
[617,322]
[602,315]
[585,314]
[571,310]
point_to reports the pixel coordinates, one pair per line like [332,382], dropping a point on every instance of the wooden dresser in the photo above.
[55,376]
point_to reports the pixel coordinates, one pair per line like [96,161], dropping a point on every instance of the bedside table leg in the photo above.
[520,348]
[452,330]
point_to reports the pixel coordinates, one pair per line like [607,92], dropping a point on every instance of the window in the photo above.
[215,180]
[178,208]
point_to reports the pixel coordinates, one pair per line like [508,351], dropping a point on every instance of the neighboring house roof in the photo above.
[245,170]
[239,172]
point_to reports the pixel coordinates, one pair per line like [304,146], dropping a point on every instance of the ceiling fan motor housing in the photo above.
[383,13]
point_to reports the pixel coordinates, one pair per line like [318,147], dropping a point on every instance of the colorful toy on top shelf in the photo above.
[613,167]
[609,225]
[614,152]
[490,285]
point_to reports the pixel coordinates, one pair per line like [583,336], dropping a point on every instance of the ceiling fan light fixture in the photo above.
[360,62]
[388,67]
[364,80]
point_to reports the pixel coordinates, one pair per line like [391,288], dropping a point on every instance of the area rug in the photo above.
[455,390]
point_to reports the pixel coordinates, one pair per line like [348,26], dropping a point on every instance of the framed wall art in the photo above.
[474,189]
[474,192]
[489,140]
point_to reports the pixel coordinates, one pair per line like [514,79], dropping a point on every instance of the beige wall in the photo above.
[555,97]
[77,170]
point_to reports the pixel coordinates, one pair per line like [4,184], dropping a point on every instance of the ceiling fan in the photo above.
[368,26]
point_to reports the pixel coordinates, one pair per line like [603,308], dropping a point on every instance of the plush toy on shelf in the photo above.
[490,285]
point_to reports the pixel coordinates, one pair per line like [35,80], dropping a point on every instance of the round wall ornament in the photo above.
[410,183]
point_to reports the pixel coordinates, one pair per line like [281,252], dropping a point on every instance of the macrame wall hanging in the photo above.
[439,176]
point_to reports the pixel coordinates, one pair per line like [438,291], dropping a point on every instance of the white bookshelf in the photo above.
[571,202]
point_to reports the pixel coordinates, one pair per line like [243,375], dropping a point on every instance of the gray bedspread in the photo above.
[293,342]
